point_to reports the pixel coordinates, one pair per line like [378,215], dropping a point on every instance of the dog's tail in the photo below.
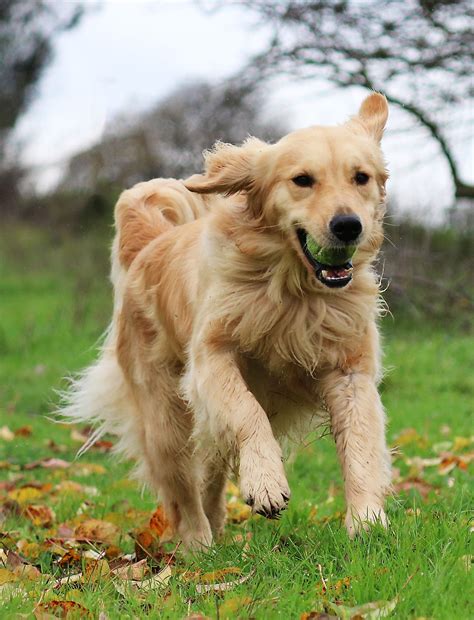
[98,396]
[149,209]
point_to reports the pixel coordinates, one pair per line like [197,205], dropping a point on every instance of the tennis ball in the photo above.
[329,256]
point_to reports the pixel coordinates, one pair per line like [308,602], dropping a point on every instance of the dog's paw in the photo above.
[361,520]
[264,486]
[195,537]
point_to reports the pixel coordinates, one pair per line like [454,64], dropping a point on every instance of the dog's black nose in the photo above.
[346,227]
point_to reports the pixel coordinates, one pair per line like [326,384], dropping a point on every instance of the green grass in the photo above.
[54,304]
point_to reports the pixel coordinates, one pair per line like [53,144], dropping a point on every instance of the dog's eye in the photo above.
[303,180]
[361,178]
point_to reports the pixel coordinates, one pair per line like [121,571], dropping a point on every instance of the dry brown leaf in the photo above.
[24,431]
[40,515]
[97,531]
[451,461]
[27,571]
[147,545]
[160,525]
[72,556]
[61,609]
[317,615]
[157,582]
[48,463]
[103,445]
[136,571]
[31,550]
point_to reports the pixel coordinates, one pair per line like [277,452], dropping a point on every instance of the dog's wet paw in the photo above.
[265,488]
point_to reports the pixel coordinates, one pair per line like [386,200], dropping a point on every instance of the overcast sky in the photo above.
[128,55]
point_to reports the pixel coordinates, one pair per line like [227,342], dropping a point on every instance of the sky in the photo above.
[126,56]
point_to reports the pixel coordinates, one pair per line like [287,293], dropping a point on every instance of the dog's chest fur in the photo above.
[302,335]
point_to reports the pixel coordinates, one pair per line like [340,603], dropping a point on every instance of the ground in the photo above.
[69,528]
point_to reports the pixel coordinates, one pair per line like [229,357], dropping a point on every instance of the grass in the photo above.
[54,303]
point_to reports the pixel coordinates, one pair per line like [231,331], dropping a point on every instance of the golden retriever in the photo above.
[228,335]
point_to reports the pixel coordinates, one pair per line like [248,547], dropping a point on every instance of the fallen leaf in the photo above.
[157,582]
[147,545]
[451,461]
[9,508]
[136,571]
[40,515]
[31,550]
[7,576]
[48,463]
[97,531]
[87,469]
[160,525]
[6,434]
[103,445]
[29,492]
[204,588]
[24,431]
[96,570]
[368,611]
[28,572]
[60,609]
[71,557]
[460,443]
[317,615]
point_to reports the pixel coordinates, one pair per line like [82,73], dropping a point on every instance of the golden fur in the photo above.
[223,341]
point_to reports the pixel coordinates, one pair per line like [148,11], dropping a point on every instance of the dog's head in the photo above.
[323,187]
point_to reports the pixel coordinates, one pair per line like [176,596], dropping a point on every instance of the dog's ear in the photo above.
[228,169]
[373,115]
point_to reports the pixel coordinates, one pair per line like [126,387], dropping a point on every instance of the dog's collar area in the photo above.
[332,276]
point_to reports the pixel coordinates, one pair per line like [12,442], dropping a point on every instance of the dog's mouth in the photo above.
[336,275]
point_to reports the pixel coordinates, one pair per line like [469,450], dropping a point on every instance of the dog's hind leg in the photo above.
[172,466]
[216,472]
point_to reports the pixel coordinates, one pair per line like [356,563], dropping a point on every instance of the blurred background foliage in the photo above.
[419,53]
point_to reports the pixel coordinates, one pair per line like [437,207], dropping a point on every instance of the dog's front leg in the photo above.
[230,413]
[358,427]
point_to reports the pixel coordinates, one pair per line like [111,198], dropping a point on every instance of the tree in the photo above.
[419,53]
[168,140]
[27,30]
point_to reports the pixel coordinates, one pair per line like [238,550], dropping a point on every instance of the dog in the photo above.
[228,335]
